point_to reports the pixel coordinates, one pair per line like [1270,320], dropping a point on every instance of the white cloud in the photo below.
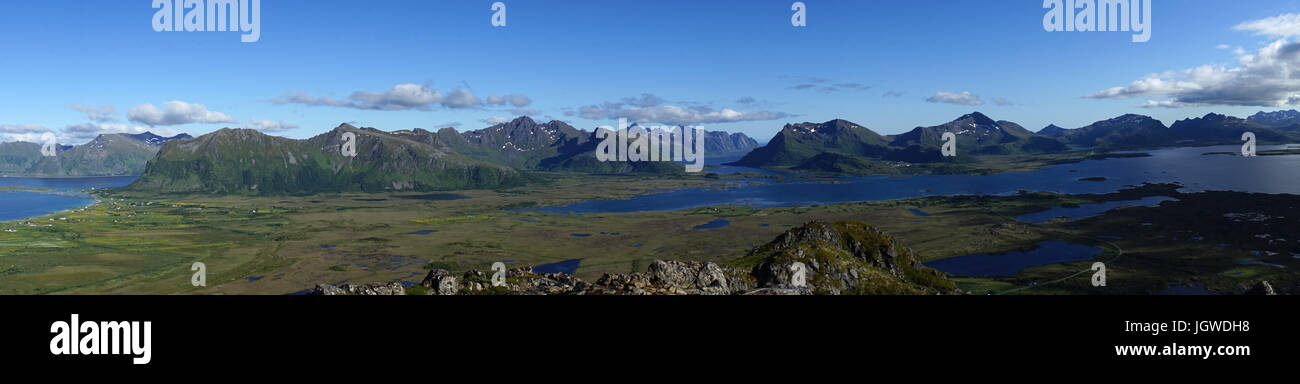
[1284,25]
[1164,104]
[1263,79]
[100,113]
[649,108]
[514,99]
[87,131]
[269,126]
[1002,102]
[32,133]
[1223,46]
[176,113]
[494,120]
[964,98]
[462,98]
[404,97]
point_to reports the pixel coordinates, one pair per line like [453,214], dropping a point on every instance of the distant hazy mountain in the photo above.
[799,142]
[242,161]
[107,155]
[527,145]
[977,134]
[1221,129]
[723,142]
[155,140]
[1276,119]
[1052,131]
[1124,132]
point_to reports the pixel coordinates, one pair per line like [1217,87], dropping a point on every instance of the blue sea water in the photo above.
[1187,166]
[1006,264]
[18,205]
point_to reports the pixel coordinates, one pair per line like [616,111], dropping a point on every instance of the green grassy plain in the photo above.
[132,243]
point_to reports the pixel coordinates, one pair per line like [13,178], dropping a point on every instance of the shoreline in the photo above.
[93,201]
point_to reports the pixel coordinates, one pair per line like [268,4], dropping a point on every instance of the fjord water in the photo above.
[1187,166]
[16,205]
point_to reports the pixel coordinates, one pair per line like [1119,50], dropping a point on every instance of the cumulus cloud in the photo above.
[494,120]
[1163,104]
[514,99]
[1264,78]
[32,133]
[87,131]
[403,97]
[100,113]
[269,126]
[462,98]
[176,113]
[1284,25]
[649,108]
[826,85]
[964,98]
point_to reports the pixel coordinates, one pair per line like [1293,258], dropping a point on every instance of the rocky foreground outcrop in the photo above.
[847,257]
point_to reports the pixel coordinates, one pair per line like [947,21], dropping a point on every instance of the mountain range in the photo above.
[506,154]
[106,155]
[1277,118]
[239,161]
[244,161]
[801,146]
[843,147]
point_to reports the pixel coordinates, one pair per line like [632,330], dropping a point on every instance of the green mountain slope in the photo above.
[799,142]
[106,155]
[241,161]
[1214,128]
[1129,131]
[977,134]
[846,257]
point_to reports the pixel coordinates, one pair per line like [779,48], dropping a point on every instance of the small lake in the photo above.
[568,267]
[1006,264]
[719,223]
[18,205]
[1196,172]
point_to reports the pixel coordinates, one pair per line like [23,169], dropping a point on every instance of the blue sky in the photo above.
[77,68]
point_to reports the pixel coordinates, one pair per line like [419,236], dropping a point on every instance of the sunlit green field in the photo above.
[138,244]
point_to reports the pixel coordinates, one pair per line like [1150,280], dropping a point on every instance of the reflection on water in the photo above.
[1263,174]
[1006,264]
[1090,210]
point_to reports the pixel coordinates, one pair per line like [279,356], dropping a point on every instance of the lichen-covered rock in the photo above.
[373,289]
[846,257]
[440,282]
[1263,288]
